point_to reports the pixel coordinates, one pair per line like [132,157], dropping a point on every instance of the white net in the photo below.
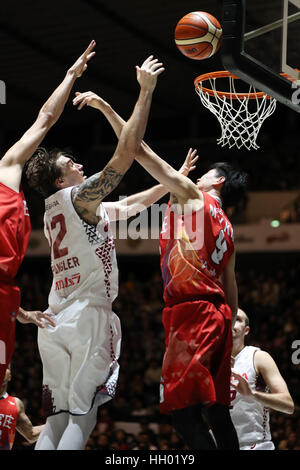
[240,115]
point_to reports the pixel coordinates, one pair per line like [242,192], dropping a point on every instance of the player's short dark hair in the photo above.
[41,171]
[234,187]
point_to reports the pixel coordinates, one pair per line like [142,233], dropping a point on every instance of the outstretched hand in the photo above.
[81,63]
[88,98]
[148,72]
[189,162]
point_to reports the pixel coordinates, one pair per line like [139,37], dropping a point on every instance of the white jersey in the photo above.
[83,257]
[250,418]
[80,353]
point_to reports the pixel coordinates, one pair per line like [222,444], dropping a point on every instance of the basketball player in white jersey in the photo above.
[80,354]
[249,401]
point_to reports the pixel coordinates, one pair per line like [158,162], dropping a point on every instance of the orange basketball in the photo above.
[198,35]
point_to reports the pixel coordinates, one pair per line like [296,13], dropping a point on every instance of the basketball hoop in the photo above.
[240,114]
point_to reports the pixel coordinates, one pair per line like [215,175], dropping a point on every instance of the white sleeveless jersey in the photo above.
[250,418]
[83,256]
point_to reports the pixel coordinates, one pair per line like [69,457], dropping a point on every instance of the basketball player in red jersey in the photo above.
[13,418]
[14,216]
[200,291]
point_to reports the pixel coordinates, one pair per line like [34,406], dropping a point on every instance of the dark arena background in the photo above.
[39,41]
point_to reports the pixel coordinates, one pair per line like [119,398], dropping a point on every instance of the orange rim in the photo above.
[224,74]
[288,77]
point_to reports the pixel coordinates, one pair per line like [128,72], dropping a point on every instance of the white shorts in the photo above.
[79,357]
[266,445]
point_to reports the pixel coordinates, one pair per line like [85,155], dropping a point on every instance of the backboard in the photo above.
[261,42]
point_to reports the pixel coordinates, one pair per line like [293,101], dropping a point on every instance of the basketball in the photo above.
[198,35]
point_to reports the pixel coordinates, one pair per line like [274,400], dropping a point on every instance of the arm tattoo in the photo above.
[92,191]
[98,186]
[24,426]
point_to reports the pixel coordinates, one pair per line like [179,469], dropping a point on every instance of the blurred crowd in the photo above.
[269,293]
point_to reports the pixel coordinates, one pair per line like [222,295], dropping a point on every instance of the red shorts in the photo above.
[9,302]
[197,361]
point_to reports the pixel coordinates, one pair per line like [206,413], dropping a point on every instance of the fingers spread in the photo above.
[147,60]
[152,65]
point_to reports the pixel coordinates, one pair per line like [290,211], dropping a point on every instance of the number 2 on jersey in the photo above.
[58,219]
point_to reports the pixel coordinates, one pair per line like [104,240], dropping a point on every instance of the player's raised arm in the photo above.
[91,192]
[156,166]
[132,205]
[12,163]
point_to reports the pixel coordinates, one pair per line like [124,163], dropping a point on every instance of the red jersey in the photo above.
[14,232]
[8,421]
[195,248]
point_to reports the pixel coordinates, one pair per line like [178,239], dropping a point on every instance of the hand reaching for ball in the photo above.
[149,71]
[88,98]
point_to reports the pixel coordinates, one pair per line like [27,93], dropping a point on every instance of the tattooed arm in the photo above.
[87,197]
[173,180]
[24,426]
[134,204]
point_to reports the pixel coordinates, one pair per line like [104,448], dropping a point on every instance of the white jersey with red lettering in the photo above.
[80,353]
[83,256]
[250,418]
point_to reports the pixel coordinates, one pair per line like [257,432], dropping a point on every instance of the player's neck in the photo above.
[3,391]
[237,348]
[216,194]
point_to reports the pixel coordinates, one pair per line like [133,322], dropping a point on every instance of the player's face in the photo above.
[208,180]
[72,172]
[239,329]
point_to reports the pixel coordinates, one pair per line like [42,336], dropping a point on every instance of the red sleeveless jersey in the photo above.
[14,232]
[195,249]
[8,421]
